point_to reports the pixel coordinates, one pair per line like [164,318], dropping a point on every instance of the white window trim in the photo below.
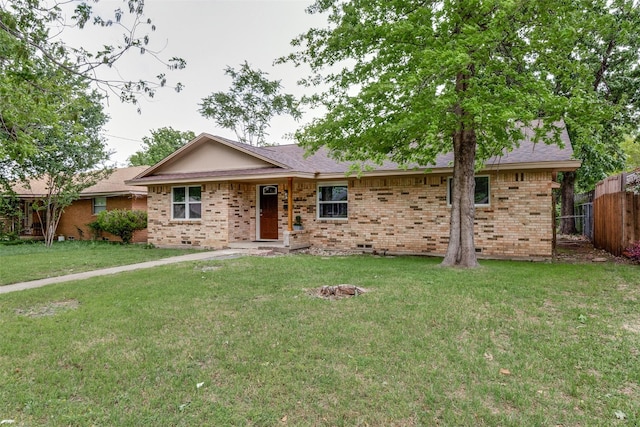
[331,184]
[186,203]
[482,205]
[93,205]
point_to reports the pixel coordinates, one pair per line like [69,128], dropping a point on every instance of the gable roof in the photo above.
[113,185]
[281,161]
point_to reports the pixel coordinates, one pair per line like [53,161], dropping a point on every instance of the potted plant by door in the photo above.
[297,225]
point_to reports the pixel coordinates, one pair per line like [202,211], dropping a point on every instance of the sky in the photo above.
[210,35]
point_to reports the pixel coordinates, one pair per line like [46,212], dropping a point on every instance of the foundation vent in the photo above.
[364,246]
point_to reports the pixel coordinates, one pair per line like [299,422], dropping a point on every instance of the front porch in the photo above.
[293,240]
[25,223]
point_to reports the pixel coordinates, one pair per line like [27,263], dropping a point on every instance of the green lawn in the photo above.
[31,261]
[241,342]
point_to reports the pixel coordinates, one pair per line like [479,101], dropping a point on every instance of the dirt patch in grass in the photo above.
[49,309]
[328,252]
[578,249]
[631,390]
[337,292]
[633,326]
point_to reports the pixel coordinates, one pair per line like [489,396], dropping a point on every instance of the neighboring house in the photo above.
[214,192]
[110,193]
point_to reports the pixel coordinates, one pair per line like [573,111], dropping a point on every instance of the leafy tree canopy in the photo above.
[68,158]
[609,48]
[159,145]
[631,148]
[31,51]
[407,79]
[249,105]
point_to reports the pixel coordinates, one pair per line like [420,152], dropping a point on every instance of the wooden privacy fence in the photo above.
[616,215]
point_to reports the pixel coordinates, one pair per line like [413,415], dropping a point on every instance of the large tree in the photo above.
[32,48]
[249,105]
[609,47]
[68,158]
[159,145]
[406,80]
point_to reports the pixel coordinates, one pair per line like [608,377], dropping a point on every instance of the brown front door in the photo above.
[269,212]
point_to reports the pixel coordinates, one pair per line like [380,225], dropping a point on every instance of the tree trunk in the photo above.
[461,250]
[50,229]
[567,223]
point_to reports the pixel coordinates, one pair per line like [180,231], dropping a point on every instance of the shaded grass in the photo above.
[32,261]
[425,346]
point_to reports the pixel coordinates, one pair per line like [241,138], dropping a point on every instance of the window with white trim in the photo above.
[332,200]
[99,205]
[481,195]
[186,202]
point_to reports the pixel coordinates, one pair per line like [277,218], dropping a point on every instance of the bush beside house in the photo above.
[120,222]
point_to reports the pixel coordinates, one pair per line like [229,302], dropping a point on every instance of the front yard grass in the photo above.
[242,342]
[32,261]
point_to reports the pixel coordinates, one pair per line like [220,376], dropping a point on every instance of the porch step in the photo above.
[275,246]
[256,245]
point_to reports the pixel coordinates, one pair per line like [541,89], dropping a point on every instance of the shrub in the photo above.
[96,229]
[121,223]
[6,234]
[633,252]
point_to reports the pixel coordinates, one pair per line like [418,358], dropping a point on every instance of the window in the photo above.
[332,201]
[270,190]
[99,205]
[481,195]
[186,203]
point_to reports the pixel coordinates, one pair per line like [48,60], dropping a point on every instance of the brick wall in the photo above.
[138,204]
[212,231]
[74,220]
[411,215]
[396,214]
[242,212]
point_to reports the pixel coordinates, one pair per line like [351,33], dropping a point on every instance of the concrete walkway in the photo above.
[198,256]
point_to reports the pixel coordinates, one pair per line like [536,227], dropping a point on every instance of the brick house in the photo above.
[216,193]
[110,193]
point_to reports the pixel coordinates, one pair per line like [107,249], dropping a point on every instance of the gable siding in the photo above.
[207,156]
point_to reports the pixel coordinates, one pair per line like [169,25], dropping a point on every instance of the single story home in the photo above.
[109,193]
[216,193]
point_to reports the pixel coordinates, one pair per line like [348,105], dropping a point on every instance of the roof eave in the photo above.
[87,195]
[136,192]
[261,177]
[556,166]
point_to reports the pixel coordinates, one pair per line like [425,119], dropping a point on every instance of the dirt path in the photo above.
[578,249]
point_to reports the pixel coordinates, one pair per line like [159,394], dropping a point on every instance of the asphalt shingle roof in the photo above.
[527,151]
[291,158]
[114,184]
